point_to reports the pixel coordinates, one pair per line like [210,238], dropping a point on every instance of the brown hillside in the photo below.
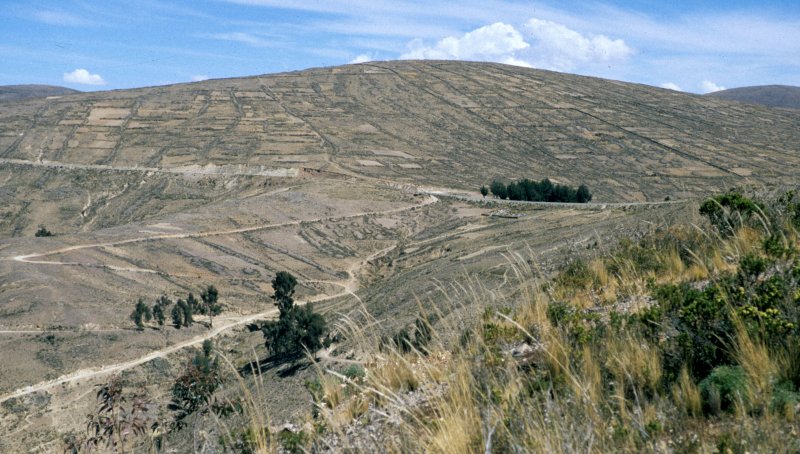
[360,180]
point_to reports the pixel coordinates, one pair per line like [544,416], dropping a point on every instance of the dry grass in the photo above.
[567,393]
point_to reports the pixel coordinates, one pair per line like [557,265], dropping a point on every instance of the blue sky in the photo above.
[687,45]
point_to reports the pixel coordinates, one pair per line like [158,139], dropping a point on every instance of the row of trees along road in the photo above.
[538,191]
[297,330]
[182,313]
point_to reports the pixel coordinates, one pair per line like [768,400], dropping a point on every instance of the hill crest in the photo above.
[783,96]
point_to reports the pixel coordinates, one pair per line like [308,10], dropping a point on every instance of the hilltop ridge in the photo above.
[783,96]
[32,91]
[360,180]
[421,122]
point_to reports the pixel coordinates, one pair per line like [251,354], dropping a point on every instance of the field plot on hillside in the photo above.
[362,181]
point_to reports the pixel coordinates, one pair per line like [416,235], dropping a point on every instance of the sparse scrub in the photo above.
[556,376]
[631,351]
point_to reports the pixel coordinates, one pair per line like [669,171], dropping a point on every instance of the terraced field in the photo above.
[360,180]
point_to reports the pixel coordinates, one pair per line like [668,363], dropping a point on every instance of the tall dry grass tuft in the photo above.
[588,380]
[686,394]
[457,428]
[256,433]
[634,363]
[760,368]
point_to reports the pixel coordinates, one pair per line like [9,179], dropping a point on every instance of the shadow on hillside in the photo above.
[283,366]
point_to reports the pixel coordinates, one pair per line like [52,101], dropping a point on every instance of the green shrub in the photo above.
[576,276]
[293,442]
[42,232]
[724,387]
[784,398]
[354,372]
[728,211]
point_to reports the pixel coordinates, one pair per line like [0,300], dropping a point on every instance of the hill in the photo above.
[360,180]
[783,96]
[22,92]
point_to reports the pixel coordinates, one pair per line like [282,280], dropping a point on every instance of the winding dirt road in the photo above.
[349,287]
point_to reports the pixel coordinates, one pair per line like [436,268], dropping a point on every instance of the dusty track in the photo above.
[211,170]
[349,286]
[27,258]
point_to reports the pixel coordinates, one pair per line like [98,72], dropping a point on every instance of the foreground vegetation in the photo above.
[687,340]
[684,340]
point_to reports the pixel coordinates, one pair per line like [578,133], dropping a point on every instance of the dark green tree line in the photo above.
[540,191]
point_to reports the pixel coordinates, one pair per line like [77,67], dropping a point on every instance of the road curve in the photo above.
[348,288]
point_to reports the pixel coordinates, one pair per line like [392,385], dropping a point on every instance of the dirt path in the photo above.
[348,288]
[210,169]
[27,258]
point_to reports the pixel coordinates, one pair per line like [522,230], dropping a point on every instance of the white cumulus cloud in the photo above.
[83,77]
[707,86]
[493,42]
[540,43]
[363,58]
[199,78]
[555,46]
[671,86]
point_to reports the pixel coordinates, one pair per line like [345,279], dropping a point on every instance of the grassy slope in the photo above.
[684,341]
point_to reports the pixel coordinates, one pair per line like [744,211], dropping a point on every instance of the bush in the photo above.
[700,326]
[724,387]
[728,211]
[354,372]
[192,391]
[42,231]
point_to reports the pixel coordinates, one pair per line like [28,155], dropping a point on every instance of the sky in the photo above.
[692,46]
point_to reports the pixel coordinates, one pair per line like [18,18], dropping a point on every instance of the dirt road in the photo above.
[348,288]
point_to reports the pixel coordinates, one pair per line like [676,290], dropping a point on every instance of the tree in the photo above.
[297,329]
[164,301]
[187,312]
[194,304]
[158,314]
[283,285]
[192,391]
[484,191]
[115,422]
[583,195]
[177,316]
[141,314]
[498,189]
[42,231]
[210,306]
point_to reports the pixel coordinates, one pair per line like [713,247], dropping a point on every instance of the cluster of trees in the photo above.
[538,191]
[42,231]
[298,328]
[182,312]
